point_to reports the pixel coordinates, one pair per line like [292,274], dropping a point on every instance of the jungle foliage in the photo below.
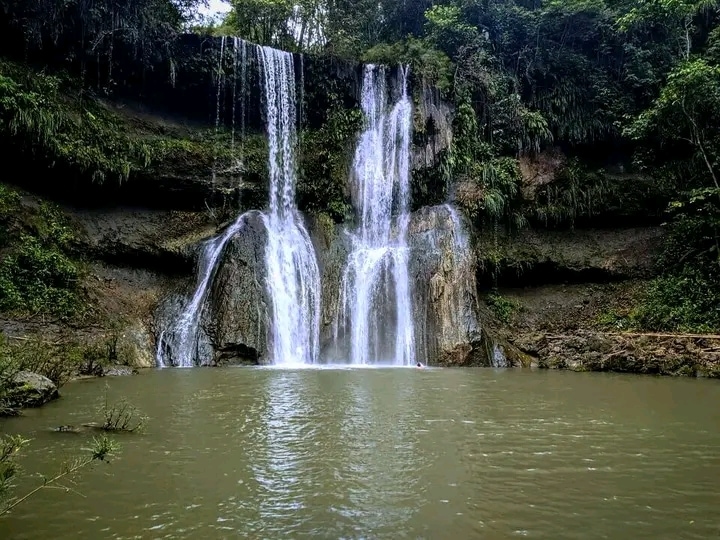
[39,269]
[640,76]
[82,31]
[634,83]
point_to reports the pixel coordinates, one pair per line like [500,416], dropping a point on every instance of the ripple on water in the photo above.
[385,453]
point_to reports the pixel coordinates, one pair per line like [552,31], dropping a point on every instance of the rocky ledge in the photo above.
[657,354]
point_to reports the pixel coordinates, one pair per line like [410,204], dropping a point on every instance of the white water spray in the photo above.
[293,278]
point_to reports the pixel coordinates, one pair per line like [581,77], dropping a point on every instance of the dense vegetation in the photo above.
[590,87]
[39,272]
[628,83]
[57,125]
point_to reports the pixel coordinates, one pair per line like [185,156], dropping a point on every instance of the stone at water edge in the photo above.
[119,371]
[30,389]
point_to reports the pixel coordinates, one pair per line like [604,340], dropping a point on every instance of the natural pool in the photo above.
[384,453]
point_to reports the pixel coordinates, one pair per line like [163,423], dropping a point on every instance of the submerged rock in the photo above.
[30,389]
[69,429]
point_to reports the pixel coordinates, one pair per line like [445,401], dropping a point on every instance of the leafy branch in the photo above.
[101,449]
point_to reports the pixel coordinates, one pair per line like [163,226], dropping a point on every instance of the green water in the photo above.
[385,453]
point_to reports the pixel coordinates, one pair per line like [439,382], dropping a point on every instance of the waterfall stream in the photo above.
[178,345]
[293,276]
[381,317]
[376,303]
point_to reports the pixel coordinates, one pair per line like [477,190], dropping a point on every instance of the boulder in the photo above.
[30,389]
[237,316]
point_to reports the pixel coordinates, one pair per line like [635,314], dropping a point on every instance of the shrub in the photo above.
[8,370]
[121,416]
[39,278]
[33,353]
[41,114]
[10,445]
[503,308]
[37,272]
[325,160]
[687,302]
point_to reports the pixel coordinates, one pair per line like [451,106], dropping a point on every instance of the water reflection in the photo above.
[333,455]
[279,450]
[382,465]
[387,453]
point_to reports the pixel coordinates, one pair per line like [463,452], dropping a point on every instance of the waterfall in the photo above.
[376,304]
[461,244]
[178,345]
[293,277]
[457,310]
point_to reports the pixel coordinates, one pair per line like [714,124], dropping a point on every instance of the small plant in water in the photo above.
[10,446]
[121,416]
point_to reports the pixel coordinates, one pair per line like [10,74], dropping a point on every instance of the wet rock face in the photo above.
[332,246]
[577,255]
[442,270]
[159,240]
[436,117]
[236,320]
[237,316]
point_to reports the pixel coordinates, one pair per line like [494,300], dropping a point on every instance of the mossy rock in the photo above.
[29,389]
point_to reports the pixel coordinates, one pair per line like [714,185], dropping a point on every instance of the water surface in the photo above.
[385,453]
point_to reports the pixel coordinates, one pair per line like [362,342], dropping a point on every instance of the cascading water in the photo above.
[376,305]
[178,345]
[461,244]
[457,262]
[293,277]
